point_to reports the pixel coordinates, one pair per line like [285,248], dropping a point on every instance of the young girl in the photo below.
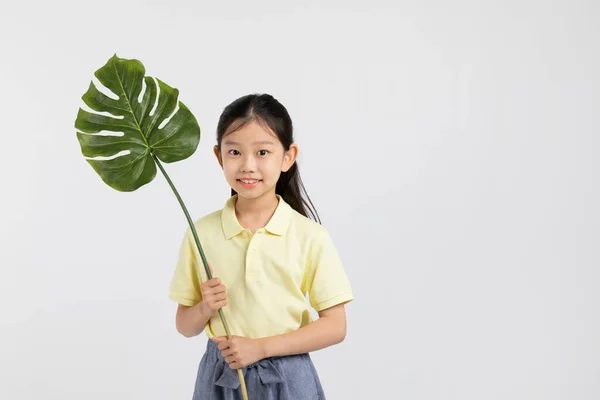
[266,256]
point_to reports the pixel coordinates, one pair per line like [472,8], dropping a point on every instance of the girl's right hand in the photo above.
[214,295]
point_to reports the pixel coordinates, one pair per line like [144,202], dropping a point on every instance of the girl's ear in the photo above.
[290,157]
[216,151]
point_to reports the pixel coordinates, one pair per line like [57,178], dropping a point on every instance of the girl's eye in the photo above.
[235,152]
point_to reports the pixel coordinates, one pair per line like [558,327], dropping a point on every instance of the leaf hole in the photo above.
[141,96]
[157,96]
[106,158]
[85,107]
[104,90]
[104,133]
[166,121]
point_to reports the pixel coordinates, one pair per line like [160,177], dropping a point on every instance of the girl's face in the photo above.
[253,158]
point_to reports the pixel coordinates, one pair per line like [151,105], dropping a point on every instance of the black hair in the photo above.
[265,109]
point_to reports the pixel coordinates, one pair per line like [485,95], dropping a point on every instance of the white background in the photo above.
[451,148]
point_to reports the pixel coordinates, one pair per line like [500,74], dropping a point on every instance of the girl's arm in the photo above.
[328,330]
[190,321]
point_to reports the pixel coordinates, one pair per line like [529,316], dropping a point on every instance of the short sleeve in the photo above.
[185,285]
[326,283]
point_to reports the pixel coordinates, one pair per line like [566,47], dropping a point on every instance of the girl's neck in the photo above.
[255,213]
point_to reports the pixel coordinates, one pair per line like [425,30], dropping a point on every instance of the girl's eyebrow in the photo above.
[234,143]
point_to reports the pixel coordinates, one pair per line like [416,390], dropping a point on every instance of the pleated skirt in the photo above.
[275,378]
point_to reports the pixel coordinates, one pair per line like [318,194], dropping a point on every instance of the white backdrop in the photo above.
[451,148]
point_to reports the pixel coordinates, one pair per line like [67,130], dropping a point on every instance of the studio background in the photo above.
[451,149]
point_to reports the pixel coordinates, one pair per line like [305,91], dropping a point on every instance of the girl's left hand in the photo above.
[239,352]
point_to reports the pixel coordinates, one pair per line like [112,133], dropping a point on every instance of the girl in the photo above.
[268,255]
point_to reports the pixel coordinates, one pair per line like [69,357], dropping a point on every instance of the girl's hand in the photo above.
[239,352]
[214,295]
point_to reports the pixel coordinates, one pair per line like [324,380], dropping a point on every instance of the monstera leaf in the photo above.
[137,117]
[128,137]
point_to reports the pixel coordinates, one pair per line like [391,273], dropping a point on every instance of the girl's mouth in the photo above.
[249,183]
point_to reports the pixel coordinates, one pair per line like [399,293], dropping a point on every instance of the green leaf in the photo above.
[139,135]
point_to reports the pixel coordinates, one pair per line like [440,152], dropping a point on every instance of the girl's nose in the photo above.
[249,164]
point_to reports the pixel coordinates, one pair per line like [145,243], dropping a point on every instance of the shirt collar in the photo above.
[277,225]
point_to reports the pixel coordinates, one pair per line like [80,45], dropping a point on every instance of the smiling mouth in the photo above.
[249,183]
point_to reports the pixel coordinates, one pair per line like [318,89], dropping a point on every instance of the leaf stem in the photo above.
[204,262]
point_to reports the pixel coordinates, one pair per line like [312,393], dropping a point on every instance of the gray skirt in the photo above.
[276,378]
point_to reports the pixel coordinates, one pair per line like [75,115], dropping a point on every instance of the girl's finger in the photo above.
[230,359]
[220,290]
[221,303]
[214,282]
[213,291]
[223,345]
[220,296]
[227,352]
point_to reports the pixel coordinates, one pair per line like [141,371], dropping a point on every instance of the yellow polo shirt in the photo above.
[267,274]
